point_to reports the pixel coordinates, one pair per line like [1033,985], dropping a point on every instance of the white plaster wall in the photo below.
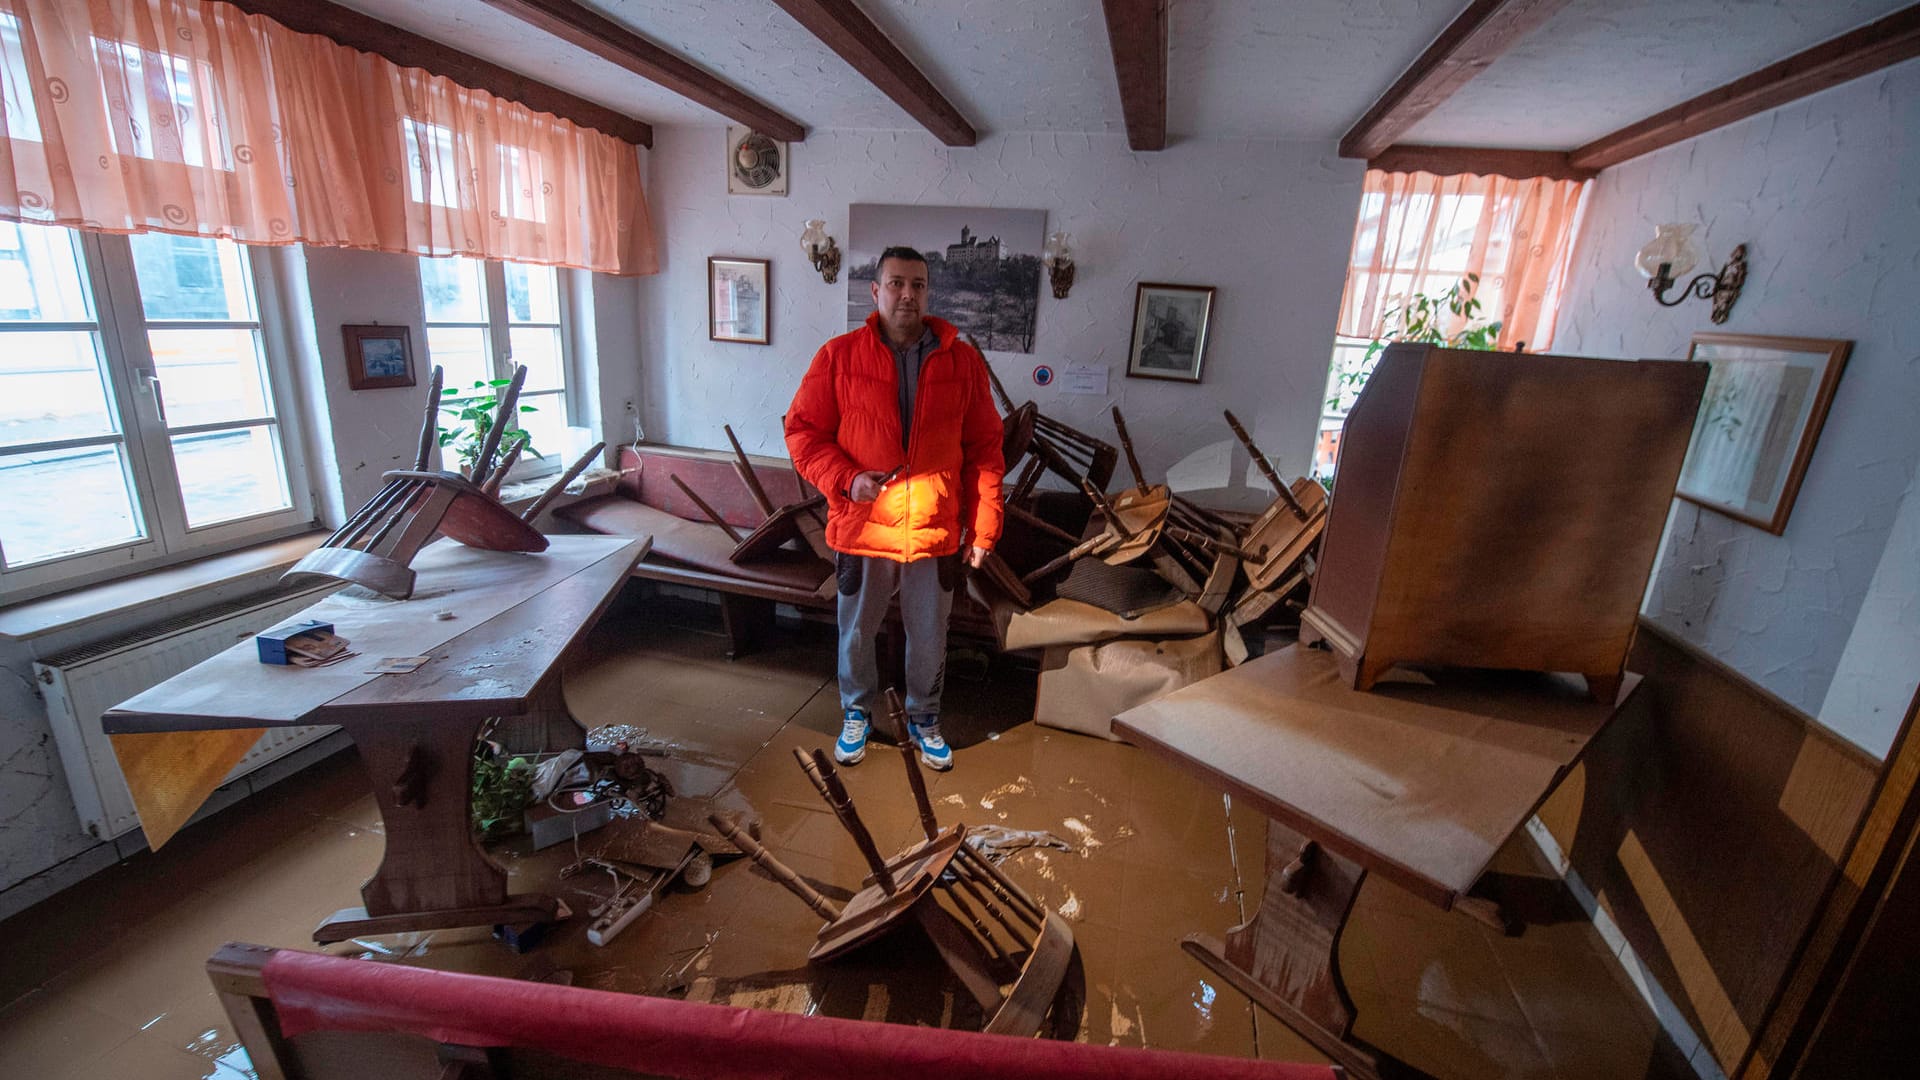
[1868,696]
[1268,223]
[1826,194]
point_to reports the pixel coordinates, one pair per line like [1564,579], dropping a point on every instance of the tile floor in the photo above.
[106,981]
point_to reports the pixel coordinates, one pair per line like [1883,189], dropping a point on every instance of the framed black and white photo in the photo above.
[378,357]
[983,266]
[737,299]
[1765,402]
[1170,329]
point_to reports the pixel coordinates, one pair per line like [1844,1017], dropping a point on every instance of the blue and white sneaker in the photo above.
[851,746]
[933,748]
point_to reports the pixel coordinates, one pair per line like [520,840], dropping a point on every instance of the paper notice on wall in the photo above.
[1084,379]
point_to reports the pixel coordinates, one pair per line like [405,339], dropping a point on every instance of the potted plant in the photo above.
[475,412]
[1421,318]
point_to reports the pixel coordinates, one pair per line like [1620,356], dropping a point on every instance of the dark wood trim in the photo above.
[367,34]
[1137,32]
[846,30]
[1832,944]
[589,30]
[1479,161]
[1485,30]
[1849,56]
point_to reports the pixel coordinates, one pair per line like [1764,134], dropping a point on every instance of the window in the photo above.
[139,416]
[473,307]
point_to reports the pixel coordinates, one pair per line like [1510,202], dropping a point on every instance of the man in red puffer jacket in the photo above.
[895,423]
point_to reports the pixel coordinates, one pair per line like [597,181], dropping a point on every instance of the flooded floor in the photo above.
[106,980]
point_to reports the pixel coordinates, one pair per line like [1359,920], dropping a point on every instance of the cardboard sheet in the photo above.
[1083,687]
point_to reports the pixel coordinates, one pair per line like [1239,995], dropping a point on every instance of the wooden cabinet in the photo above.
[1500,510]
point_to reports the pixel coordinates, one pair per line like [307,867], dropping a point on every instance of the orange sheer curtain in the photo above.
[191,116]
[1421,233]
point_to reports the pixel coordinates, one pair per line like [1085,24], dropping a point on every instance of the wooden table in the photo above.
[1421,781]
[496,625]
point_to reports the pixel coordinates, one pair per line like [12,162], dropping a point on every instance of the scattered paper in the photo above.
[397,665]
[1084,379]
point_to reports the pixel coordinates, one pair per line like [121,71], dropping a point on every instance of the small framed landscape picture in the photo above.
[737,300]
[1170,330]
[378,357]
[1765,402]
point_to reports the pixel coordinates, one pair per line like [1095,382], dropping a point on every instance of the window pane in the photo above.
[533,294]
[51,388]
[455,290]
[461,353]
[191,277]
[538,347]
[40,276]
[207,376]
[61,502]
[230,474]
[547,424]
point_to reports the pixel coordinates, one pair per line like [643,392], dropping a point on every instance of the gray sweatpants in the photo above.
[867,586]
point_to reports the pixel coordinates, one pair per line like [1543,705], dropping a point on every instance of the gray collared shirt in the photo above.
[907,360]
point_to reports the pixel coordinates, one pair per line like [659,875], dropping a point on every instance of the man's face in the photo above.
[900,295]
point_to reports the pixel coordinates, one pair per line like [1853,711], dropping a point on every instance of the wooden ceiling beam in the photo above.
[1849,56]
[587,29]
[1476,39]
[368,34]
[1479,161]
[846,30]
[1137,33]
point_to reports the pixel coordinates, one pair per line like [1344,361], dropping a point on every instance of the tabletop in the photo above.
[1422,778]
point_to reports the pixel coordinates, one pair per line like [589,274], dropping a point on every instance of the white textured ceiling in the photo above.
[1599,65]
[1302,69]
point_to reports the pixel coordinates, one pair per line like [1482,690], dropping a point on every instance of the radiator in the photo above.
[82,683]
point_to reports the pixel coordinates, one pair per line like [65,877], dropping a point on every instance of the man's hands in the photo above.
[866,486]
[976,556]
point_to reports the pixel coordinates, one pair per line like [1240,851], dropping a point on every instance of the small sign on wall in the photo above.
[1084,379]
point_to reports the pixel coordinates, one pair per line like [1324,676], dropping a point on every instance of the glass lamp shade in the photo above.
[1058,251]
[1673,245]
[813,239]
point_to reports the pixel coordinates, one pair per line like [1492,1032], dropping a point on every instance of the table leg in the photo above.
[434,874]
[1286,958]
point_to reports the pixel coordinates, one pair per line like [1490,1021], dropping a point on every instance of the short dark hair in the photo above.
[900,251]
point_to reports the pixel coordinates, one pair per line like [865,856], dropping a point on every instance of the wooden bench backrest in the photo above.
[646,471]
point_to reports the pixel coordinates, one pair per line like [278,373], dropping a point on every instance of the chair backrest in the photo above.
[322,1017]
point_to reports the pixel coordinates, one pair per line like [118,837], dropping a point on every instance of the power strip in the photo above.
[618,914]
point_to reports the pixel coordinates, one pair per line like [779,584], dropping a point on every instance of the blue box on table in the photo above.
[273,643]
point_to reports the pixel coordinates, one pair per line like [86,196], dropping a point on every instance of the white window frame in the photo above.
[498,343]
[121,324]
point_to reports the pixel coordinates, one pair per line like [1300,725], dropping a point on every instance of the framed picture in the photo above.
[1169,331]
[737,299]
[378,357]
[983,266]
[1765,401]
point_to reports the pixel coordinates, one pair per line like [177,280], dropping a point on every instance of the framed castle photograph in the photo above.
[983,266]
[1765,402]
[1170,330]
[737,299]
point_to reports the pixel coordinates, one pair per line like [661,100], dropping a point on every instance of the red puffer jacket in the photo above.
[845,420]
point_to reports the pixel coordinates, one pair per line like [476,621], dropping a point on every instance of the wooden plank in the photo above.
[1421,782]
[1137,33]
[585,28]
[845,29]
[1477,38]
[1849,56]
[1480,161]
[368,34]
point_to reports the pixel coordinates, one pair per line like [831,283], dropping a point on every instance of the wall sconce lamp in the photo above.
[1672,253]
[821,250]
[1057,257]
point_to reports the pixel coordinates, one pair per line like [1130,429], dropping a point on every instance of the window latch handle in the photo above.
[152,383]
